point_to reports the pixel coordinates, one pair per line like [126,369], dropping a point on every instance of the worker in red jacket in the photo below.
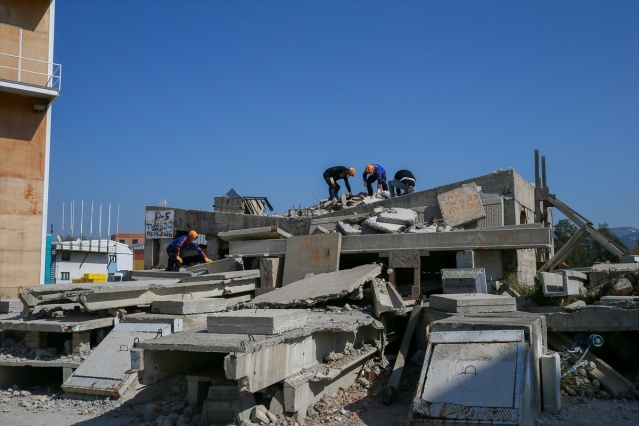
[174,248]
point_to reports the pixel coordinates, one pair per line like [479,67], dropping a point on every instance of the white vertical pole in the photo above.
[81,217]
[109,225]
[91,227]
[62,230]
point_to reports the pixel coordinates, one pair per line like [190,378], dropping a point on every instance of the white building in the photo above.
[72,260]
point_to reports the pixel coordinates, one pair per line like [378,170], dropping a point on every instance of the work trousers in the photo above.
[381,181]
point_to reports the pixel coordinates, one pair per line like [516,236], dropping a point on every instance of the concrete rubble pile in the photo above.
[425,296]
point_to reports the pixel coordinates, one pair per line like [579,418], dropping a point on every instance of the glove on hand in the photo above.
[179,259]
[208,260]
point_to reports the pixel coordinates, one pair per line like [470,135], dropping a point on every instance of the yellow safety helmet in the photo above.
[192,234]
[351,171]
[370,169]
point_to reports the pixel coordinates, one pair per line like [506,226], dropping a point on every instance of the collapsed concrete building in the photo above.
[297,306]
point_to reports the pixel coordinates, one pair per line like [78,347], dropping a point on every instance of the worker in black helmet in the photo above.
[332,175]
[404,180]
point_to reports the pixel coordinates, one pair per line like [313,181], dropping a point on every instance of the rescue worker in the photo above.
[173,250]
[372,173]
[332,175]
[404,180]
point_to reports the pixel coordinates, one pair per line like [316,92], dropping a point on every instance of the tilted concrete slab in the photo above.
[317,288]
[96,297]
[256,321]
[506,238]
[56,325]
[222,265]
[189,306]
[257,361]
[472,303]
[263,233]
[399,216]
[229,275]
[461,205]
[590,318]
[107,371]
[313,254]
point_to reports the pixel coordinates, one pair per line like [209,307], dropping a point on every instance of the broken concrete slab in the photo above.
[398,216]
[119,295]
[178,323]
[256,321]
[318,288]
[461,205]
[472,303]
[107,371]
[249,358]
[348,228]
[222,265]
[562,282]
[376,223]
[69,324]
[306,388]
[229,275]
[623,302]
[189,306]
[589,318]
[311,254]
[263,233]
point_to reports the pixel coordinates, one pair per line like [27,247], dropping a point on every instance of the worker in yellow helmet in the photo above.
[332,175]
[174,248]
[372,173]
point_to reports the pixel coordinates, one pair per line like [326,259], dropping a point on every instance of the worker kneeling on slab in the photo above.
[332,175]
[404,180]
[174,248]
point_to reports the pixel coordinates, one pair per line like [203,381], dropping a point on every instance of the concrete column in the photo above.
[270,272]
[81,342]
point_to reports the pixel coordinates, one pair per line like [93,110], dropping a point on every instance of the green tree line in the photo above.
[590,251]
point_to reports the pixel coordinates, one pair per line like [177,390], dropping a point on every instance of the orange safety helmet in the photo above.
[192,234]
[370,169]
[351,171]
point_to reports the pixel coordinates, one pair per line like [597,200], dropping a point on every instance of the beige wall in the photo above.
[23,147]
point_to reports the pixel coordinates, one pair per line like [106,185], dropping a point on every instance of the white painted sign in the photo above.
[159,223]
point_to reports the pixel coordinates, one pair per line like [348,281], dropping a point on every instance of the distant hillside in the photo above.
[628,235]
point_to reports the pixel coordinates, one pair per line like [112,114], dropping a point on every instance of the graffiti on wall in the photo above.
[159,223]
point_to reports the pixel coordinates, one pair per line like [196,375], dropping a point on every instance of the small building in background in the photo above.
[90,261]
[130,239]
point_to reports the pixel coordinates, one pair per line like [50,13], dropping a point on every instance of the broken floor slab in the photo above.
[386,298]
[317,288]
[590,318]
[623,302]
[313,254]
[249,359]
[189,306]
[10,306]
[107,371]
[96,297]
[461,205]
[263,233]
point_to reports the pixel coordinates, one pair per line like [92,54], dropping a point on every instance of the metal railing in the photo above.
[30,71]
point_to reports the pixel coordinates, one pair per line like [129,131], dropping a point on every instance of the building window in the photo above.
[111,258]
[135,241]
[66,256]
[121,241]
[64,276]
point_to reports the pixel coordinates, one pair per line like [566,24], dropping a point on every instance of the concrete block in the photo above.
[260,321]
[550,386]
[189,306]
[624,302]
[472,303]
[559,284]
[349,229]
[468,280]
[311,254]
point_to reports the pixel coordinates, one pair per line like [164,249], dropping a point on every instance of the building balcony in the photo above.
[30,77]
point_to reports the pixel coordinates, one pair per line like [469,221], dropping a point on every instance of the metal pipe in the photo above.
[536,168]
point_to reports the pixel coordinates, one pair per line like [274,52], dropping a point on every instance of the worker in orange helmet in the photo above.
[332,175]
[174,248]
[372,173]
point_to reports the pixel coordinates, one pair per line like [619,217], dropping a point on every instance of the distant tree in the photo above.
[589,251]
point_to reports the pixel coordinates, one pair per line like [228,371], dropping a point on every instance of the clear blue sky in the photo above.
[184,100]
